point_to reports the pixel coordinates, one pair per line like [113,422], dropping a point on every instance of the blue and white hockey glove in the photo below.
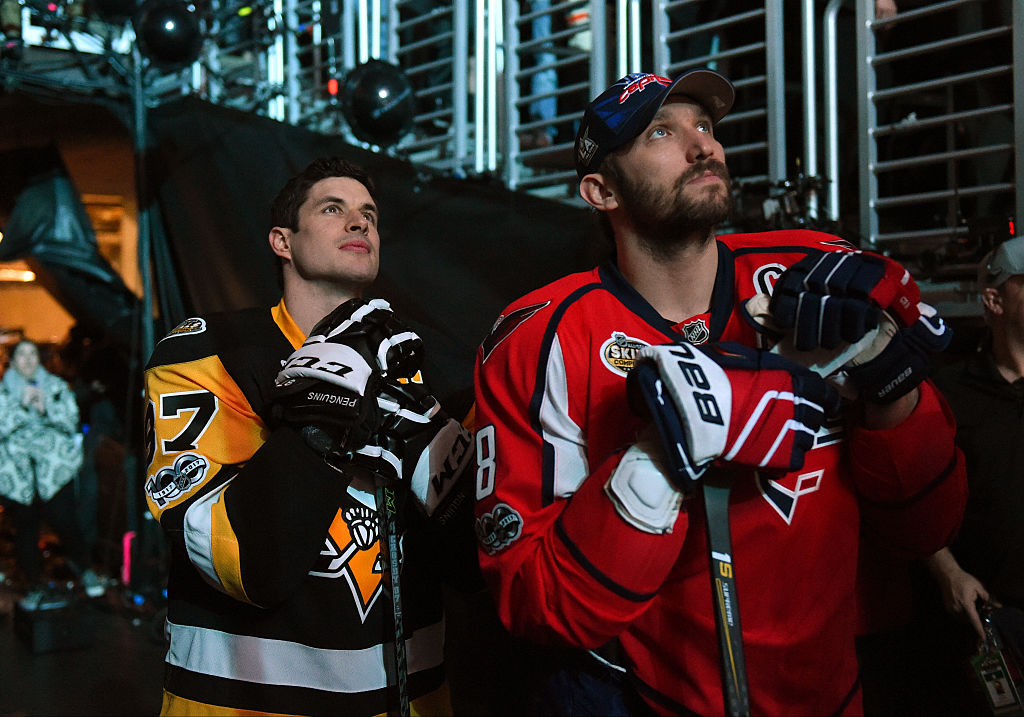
[731,403]
[899,358]
[836,297]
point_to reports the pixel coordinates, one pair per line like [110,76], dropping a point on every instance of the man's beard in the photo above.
[666,221]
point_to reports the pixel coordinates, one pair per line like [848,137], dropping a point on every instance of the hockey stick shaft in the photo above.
[387,509]
[716,485]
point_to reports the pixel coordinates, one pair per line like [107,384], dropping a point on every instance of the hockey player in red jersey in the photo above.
[589,513]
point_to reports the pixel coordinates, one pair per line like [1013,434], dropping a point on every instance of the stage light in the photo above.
[20,275]
[16,271]
[378,103]
[168,32]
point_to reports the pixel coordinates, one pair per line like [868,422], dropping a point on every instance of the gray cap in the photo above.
[1001,263]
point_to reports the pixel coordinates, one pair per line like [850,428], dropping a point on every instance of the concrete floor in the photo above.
[119,673]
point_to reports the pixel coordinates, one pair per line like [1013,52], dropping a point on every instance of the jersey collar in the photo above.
[287,324]
[721,297]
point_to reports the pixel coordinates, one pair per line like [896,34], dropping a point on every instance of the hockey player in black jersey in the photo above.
[270,433]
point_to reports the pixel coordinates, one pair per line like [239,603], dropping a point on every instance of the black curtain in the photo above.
[454,252]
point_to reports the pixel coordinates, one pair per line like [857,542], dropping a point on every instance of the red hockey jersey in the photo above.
[552,423]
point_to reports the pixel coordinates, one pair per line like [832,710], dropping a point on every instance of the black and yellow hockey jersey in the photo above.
[275,593]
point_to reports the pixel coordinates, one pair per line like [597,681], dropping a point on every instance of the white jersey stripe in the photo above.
[559,430]
[279,662]
[198,529]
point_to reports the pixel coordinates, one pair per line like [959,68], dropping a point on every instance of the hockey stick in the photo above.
[715,485]
[386,509]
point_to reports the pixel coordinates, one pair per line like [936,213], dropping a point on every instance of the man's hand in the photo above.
[371,328]
[885,365]
[885,9]
[836,297]
[729,402]
[32,397]
[960,590]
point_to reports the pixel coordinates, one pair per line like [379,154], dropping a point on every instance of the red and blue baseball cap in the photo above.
[622,111]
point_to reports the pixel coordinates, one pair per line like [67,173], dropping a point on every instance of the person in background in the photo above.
[986,391]
[40,454]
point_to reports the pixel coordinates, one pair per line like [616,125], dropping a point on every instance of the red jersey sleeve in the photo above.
[911,479]
[562,565]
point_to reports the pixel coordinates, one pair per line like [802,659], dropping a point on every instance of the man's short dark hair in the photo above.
[284,211]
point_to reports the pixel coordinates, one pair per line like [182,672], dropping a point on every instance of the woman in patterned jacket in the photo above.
[40,454]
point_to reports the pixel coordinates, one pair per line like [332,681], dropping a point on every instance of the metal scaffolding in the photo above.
[500,86]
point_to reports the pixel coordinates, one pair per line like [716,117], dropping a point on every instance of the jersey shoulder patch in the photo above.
[557,295]
[201,336]
[506,325]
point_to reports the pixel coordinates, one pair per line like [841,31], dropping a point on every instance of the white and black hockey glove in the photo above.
[328,387]
[731,403]
[418,447]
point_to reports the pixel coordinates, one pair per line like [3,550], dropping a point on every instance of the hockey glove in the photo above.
[328,387]
[372,329]
[837,297]
[898,359]
[418,446]
[728,402]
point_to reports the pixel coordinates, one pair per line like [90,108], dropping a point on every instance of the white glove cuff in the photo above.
[440,464]
[641,492]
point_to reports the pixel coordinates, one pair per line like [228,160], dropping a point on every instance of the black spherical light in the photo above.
[168,32]
[378,102]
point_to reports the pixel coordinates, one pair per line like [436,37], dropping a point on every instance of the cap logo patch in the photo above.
[586,148]
[639,82]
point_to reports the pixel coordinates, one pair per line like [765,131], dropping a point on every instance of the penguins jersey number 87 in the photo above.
[271,554]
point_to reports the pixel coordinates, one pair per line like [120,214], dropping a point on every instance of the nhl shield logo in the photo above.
[696,331]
